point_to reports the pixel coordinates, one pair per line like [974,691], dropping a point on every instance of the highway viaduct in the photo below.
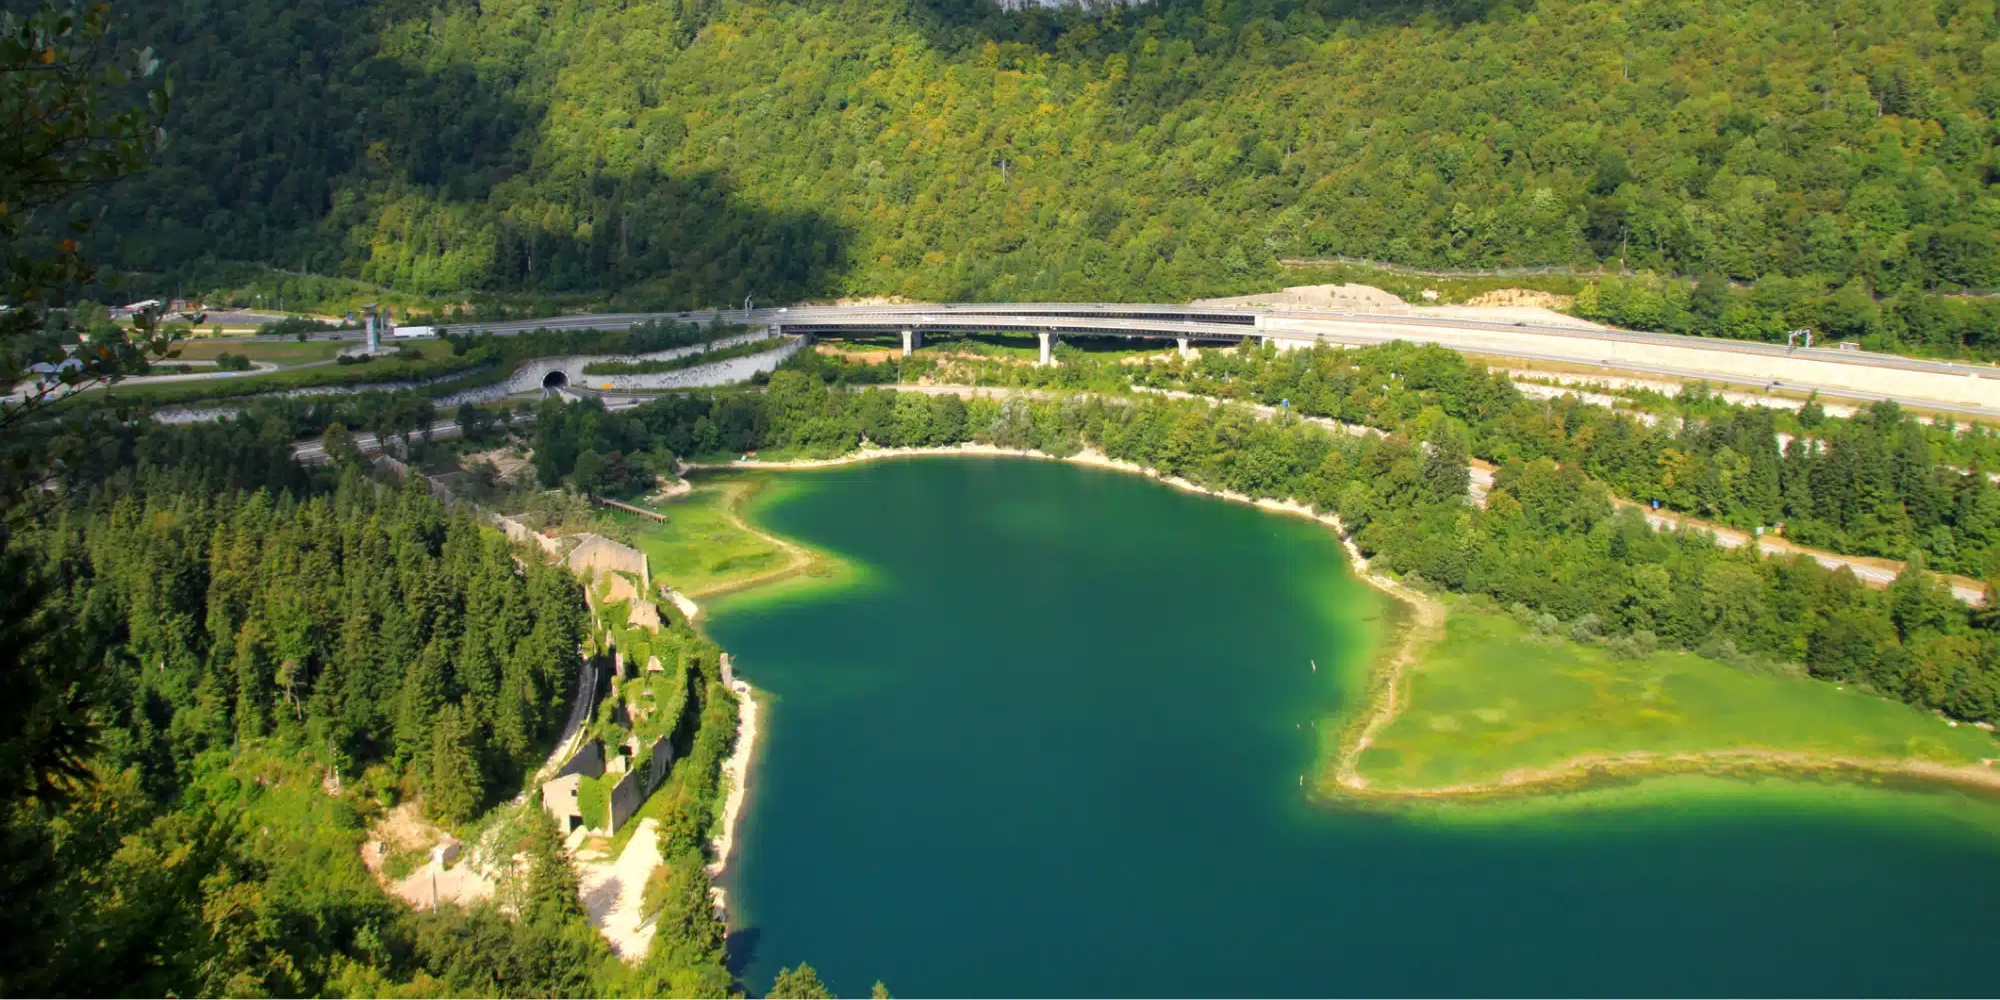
[1961,388]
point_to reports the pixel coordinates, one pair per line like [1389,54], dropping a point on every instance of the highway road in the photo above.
[1959,388]
[1858,376]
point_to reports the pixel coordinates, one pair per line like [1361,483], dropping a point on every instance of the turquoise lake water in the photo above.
[1050,745]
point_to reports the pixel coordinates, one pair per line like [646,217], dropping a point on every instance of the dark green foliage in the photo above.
[641,338]
[1907,320]
[595,450]
[347,628]
[369,624]
[551,895]
[484,953]
[687,956]
[296,326]
[1869,485]
[453,787]
[954,151]
[801,983]
[73,116]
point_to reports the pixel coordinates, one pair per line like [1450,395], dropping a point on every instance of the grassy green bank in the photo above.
[1492,707]
[711,545]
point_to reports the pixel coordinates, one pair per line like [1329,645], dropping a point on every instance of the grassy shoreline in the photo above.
[1392,689]
[1733,712]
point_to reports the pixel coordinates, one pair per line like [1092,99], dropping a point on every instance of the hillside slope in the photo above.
[698,150]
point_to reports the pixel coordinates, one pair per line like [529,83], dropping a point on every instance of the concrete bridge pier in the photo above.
[1186,351]
[1048,343]
[912,339]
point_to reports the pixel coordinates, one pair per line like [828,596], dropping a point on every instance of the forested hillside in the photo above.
[693,151]
[222,647]
[364,626]
[1869,485]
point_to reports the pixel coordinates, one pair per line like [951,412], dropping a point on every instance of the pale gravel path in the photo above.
[614,890]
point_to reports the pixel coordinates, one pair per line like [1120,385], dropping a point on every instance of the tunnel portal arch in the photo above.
[555,380]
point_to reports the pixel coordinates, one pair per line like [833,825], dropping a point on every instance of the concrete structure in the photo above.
[446,852]
[589,762]
[643,614]
[911,341]
[560,798]
[567,372]
[596,556]
[1852,374]
[518,532]
[626,798]
[662,759]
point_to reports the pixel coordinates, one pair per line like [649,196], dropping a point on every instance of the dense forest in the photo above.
[239,647]
[1869,485]
[693,151]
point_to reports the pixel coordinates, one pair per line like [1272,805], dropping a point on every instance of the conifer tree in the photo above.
[454,789]
[801,983]
[552,893]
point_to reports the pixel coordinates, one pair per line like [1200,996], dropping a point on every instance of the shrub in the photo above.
[1636,646]
[1589,628]
[1719,648]
[1548,624]
[1647,642]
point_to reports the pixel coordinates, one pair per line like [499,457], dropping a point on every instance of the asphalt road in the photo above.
[1113,318]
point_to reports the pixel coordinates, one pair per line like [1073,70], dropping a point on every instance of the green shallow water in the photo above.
[1047,743]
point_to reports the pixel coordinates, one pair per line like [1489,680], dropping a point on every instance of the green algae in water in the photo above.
[1054,747]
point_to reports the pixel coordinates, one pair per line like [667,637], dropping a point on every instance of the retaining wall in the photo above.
[529,377]
[663,759]
[596,554]
[626,798]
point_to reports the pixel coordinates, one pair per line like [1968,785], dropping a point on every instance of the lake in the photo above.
[1049,740]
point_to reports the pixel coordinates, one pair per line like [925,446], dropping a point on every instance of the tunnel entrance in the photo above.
[555,380]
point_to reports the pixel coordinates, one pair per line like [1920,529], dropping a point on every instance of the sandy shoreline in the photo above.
[736,774]
[1347,779]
